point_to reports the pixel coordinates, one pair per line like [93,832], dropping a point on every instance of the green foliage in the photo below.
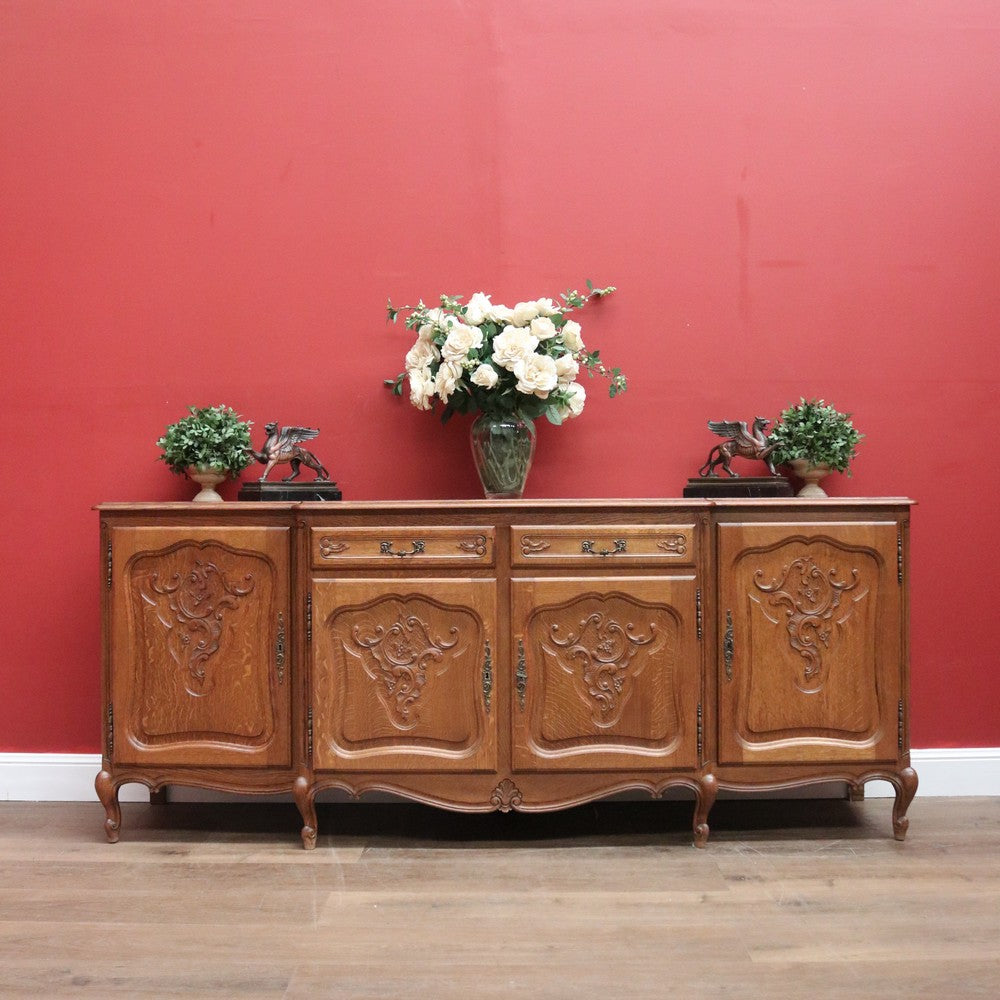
[213,436]
[816,432]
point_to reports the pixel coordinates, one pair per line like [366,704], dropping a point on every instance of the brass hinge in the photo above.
[697,610]
[487,676]
[279,648]
[900,725]
[110,563]
[701,735]
[521,676]
[899,554]
[309,618]
[111,730]
[309,735]
[729,645]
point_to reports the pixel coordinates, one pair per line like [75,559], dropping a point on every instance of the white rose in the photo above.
[426,331]
[577,397]
[524,313]
[421,388]
[501,314]
[478,310]
[512,345]
[543,328]
[536,375]
[486,376]
[461,339]
[571,336]
[546,307]
[421,354]
[447,379]
[567,369]
[439,318]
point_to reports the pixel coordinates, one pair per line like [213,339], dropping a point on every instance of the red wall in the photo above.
[210,202]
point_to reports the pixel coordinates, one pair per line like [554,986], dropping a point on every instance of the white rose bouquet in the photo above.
[522,362]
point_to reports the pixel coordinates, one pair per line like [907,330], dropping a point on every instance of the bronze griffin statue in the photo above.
[740,441]
[283,446]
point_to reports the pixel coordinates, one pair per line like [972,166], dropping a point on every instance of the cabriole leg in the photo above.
[107,792]
[305,799]
[708,788]
[906,788]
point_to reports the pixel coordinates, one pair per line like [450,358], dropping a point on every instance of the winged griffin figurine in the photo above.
[283,446]
[743,442]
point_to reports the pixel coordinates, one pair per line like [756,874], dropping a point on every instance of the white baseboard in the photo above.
[69,777]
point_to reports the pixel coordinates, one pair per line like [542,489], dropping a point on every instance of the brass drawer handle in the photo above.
[621,545]
[385,549]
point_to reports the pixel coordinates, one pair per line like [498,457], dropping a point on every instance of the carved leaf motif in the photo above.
[397,656]
[808,597]
[194,614]
[598,654]
[506,796]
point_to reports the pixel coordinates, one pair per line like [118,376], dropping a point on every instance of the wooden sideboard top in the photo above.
[672,503]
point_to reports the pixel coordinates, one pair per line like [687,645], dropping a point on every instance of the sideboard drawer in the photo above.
[461,546]
[622,544]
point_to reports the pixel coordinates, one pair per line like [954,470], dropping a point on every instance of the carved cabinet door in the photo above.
[606,673]
[811,642]
[199,658]
[403,674]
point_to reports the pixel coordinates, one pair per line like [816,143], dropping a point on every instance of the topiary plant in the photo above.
[816,432]
[214,437]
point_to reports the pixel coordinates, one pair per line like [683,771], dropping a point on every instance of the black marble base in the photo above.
[290,492]
[744,486]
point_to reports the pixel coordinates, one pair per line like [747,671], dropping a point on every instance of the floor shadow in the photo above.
[631,823]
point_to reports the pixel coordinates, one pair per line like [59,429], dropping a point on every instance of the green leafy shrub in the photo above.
[816,432]
[213,436]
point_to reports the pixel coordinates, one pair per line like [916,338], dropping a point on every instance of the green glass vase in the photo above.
[503,448]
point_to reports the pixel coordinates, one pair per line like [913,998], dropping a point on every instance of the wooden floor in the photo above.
[792,899]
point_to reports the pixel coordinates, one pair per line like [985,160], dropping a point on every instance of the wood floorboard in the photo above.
[791,899]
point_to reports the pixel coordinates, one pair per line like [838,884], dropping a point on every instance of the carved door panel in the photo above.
[403,674]
[810,640]
[199,649]
[607,673]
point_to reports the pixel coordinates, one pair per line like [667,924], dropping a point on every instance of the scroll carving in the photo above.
[476,545]
[809,597]
[196,604]
[330,547]
[675,544]
[396,657]
[598,653]
[532,546]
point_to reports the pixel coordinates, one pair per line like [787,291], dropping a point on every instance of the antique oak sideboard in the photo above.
[526,655]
